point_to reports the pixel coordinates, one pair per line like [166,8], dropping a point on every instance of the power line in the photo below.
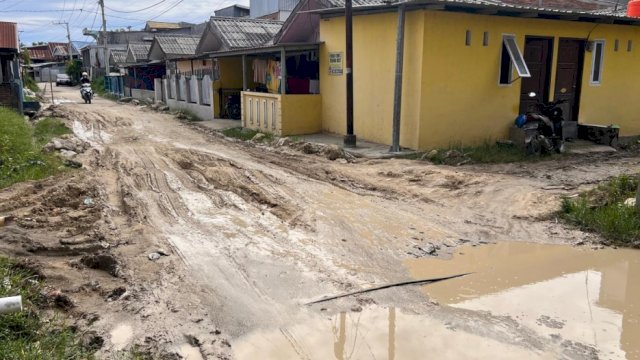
[164,12]
[84,2]
[72,9]
[134,11]
[64,6]
[33,11]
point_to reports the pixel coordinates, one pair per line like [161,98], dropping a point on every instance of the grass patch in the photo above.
[98,86]
[26,335]
[603,211]
[31,84]
[21,156]
[487,153]
[46,129]
[246,134]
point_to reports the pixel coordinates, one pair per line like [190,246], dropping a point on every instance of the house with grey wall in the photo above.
[272,9]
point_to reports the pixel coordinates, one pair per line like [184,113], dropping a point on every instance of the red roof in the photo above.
[8,35]
[45,52]
[40,54]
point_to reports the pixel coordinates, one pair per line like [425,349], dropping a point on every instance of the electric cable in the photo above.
[134,11]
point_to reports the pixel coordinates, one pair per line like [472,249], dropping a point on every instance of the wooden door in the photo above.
[569,75]
[538,56]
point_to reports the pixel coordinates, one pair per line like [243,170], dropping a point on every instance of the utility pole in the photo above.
[350,138]
[104,38]
[68,38]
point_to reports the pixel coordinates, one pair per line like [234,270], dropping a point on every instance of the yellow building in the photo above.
[468,68]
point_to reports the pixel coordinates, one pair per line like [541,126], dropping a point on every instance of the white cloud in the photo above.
[37,26]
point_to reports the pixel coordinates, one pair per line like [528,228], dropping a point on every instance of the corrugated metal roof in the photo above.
[8,35]
[497,6]
[40,54]
[586,5]
[119,56]
[237,33]
[62,50]
[340,3]
[140,51]
[178,45]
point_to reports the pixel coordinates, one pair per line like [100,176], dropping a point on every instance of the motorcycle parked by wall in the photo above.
[87,93]
[543,127]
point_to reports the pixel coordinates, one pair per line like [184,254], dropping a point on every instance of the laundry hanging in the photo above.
[260,69]
[274,74]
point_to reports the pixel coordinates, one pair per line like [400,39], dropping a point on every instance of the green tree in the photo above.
[74,69]
[26,59]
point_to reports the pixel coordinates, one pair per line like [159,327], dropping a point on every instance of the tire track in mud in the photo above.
[260,230]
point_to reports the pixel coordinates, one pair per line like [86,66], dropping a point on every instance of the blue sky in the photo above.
[36,18]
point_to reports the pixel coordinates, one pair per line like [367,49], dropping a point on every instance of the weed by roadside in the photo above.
[26,335]
[21,156]
[31,84]
[98,87]
[46,129]
[603,210]
[487,153]
[245,134]
[185,114]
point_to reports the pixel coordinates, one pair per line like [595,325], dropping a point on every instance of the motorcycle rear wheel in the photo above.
[533,147]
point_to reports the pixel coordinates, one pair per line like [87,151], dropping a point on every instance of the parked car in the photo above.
[63,79]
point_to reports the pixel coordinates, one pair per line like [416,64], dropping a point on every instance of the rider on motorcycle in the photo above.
[85,79]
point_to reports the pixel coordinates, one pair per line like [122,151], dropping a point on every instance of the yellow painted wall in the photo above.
[230,78]
[282,115]
[374,76]
[463,102]
[301,114]
[451,93]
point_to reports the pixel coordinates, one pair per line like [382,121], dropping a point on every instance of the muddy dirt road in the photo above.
[254,232]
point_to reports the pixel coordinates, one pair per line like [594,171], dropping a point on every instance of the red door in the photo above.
[569,75]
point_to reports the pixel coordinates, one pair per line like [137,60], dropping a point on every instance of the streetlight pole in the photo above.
[350,138]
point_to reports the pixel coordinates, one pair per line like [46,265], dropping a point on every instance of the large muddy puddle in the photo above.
[552,301]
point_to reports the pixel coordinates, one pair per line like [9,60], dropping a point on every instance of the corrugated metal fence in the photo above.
[114,85]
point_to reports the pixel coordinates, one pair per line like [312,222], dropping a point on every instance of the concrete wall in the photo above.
[198,107]
[474,107]
[301,114]
[374,69]
[139,94]
[282,115]
[450,91]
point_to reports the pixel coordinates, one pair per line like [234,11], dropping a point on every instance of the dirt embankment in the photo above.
[244,234]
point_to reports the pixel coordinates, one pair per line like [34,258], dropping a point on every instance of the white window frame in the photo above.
[602,43]
[510,72]
[516,55]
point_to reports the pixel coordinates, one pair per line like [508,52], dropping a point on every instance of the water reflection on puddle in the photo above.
[572,298]
[376,333]
[586,296]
